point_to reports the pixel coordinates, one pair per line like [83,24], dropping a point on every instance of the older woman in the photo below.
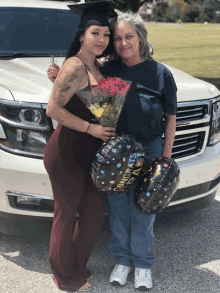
[152,96]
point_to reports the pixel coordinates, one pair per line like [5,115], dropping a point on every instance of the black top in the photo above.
[152,93]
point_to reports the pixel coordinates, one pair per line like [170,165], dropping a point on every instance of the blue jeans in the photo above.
[132,232]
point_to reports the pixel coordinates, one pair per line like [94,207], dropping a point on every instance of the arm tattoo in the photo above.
[62,90]
[69,78]
[60,100]
[65,88]
[73,77]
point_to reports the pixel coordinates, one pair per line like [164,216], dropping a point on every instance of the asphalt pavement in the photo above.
[186,247]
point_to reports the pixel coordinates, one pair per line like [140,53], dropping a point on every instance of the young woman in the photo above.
[152,95]
[70,151]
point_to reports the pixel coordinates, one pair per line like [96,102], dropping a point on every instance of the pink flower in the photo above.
[114,90]
[112,86]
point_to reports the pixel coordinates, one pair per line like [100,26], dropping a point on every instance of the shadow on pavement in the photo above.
[187,250]
[186,247]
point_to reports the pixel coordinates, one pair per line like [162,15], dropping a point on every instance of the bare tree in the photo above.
[125,5]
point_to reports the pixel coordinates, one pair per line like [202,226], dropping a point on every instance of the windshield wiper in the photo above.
[17,55]
[25,54]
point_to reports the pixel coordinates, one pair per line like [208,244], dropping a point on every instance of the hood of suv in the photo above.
[191,88]
[26,79]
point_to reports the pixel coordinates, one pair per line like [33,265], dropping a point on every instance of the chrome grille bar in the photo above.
[193,112]
[188,110]
[185,144]
[181,138]
[189,116]
[185,150]
[190,143]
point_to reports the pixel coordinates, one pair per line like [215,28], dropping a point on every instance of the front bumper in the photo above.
[199,180]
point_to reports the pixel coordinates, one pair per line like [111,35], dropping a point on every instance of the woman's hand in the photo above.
[52,72]
[104,133]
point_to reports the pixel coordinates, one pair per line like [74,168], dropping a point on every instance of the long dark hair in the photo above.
[76,44]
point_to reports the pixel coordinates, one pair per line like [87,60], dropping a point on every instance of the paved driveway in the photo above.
[186,246]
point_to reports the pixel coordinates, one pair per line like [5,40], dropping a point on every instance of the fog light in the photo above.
[29,200]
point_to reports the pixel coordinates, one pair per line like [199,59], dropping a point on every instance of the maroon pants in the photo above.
[74,192]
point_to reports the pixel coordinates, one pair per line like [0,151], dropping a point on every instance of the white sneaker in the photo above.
[120,274]
[143,278]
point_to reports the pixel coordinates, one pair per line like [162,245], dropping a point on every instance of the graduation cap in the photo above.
[93,13]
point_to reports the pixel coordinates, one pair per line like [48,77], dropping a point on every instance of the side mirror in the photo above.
[151,49]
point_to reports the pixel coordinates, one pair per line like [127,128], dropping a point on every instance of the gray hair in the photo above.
[139,27]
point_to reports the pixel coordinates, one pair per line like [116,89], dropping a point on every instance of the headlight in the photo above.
[26,128]
[31,116]
[215,126]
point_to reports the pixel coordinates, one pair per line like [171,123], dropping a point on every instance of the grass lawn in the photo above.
[192,48]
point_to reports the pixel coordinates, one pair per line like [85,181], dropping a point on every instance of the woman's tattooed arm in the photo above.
[68,81]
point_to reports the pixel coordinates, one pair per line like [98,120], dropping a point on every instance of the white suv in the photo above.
[32,31]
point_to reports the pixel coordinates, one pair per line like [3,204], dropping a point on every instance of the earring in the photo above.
[80,40]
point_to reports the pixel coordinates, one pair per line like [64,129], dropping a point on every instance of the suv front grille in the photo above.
[193,123]
[191,113]
[187,144]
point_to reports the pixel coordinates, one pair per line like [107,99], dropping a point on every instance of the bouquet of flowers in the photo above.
[110,97]
[119,162]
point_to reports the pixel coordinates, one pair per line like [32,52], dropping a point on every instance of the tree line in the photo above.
[190,11]
[173,10]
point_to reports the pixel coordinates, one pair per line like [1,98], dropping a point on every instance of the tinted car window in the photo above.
[36,30]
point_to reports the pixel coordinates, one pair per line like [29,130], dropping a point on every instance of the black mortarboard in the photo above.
[93,13]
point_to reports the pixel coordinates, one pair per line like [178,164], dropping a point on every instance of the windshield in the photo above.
[36,30]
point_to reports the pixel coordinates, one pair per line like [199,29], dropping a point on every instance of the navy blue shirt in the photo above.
[152,93]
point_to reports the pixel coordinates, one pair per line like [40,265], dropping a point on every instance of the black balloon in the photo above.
[157,186]
[118,164]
